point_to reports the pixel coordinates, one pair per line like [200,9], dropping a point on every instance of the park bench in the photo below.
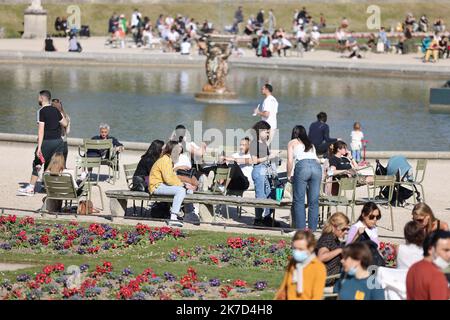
[119,202]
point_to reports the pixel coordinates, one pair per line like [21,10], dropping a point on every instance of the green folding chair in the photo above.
[421,167]
[345,197]
[112,162]
[60,187]
[89,164]
[129,170]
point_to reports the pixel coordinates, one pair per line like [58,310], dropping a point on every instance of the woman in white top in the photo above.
[366,226]
[305,172]
[412,251]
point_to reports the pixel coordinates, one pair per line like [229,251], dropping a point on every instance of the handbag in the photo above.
[86,207]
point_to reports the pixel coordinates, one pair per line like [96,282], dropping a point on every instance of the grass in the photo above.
[97,15]
[139,258]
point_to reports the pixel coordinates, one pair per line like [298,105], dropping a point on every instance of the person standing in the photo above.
[305,172]
[65,130]
[319,134]
[49,121]
[357,136]
[261,156]
[238,18]
[272,22]
[260,19]
[425,279]
[268,109]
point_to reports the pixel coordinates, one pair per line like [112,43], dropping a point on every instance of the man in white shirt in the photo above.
[185,47]
[268,109]
[134,18]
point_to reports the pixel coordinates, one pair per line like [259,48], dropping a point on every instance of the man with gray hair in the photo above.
[104,135]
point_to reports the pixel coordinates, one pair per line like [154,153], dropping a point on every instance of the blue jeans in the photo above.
[356,154]
[307,177]
[262,188]
[177,191]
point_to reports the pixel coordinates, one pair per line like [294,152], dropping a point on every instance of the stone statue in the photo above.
[216,66]
[217,49]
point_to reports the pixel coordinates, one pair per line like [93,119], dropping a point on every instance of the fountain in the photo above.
[217,49]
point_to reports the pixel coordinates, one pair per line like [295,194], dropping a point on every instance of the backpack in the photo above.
[86,207]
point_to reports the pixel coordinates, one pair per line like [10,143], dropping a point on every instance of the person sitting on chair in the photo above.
[104,130]
[140,176]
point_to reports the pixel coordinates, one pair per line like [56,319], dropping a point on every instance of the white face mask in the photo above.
[441,263]
[344,238]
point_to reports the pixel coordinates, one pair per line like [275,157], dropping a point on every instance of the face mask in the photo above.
[441,263]
[344,238]
[299,255]
[352,271]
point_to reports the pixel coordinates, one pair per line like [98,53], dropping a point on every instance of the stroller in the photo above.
[399,167]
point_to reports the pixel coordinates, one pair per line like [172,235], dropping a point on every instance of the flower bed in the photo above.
[102,282]
[250,252]
[28,235]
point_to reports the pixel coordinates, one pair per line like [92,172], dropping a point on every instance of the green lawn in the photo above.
[97,15]
[153,256]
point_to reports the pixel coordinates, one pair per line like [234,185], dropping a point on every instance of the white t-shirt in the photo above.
[270,104]
[301,34]
[183,161]
[357,136]
[286,42]
[408,254]
[185,48]
[172,36]
[315,35]
[246,168]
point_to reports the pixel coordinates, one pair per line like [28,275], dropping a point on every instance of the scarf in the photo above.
[297,276]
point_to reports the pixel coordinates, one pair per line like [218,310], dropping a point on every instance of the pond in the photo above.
[142,104]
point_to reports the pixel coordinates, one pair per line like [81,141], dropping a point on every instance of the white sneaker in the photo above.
[290,234]
[27,191]
[175,223]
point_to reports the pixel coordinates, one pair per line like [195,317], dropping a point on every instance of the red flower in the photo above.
[186,282]
[44,239]
[142,228]
[73,223]
[239,283]
[124,293]
[224,291]
[47,230]
[67,244]
[11,219]
[382,245]
[214,259]
[43,278]
[192,273]
[70,292]
[48,269]
[22,235]
[59,267]
[27,220]
[97,229]
[34,285]
[234,243]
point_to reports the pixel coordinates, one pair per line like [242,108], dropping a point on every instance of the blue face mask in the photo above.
[299,255]
[352,271]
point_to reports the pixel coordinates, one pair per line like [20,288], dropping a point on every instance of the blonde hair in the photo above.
[423,210]
[56,163]
[337,219]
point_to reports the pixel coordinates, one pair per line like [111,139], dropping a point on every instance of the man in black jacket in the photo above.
[319,134]
[104,135]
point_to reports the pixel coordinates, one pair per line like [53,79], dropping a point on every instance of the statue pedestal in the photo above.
[216,97]
[35,23]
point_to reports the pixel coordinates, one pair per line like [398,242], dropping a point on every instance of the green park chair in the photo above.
[60,187]
[379,183]
[129,170]
[113,156]
[344,198]
[91,163]
[419,176]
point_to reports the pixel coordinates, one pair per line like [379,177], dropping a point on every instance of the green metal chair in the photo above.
[60,187]
[129,170]
[91,163]
[379,183]
[421,167]
[345,197]
[220,184]
[113,156]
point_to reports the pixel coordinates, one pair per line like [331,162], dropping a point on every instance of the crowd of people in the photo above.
[171,168]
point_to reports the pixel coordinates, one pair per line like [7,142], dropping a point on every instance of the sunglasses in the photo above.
[373,217]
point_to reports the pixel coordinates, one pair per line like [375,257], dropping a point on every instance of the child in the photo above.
[357,136]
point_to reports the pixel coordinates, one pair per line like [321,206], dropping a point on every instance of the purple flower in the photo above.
[106,246]
[81,251]
[85,241]
[84,267]
[172,257]
[133,238]
[273,248]
[138,296]
[58,246]
[257,262]
[23,277]
[260,285]
[225,257]
[56,238]
[198,249]
[5,246]
[33,241]
[127,272]
[214,282]
[169,276]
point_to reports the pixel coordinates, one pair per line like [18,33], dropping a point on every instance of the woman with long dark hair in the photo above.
[140,177]
[65,130]
[305,172]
